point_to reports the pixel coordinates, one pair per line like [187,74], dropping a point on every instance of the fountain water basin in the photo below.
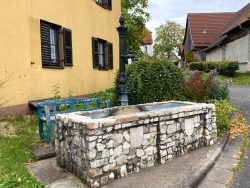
[103,145]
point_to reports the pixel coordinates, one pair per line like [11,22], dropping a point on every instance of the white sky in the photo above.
[176,10]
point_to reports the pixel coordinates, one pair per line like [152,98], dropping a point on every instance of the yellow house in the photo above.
[47,43]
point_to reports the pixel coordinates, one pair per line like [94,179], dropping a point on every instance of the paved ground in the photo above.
[220,175]
[240,96]
[52,176]
[177,173]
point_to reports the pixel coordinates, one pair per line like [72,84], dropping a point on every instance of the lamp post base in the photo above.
[123,95]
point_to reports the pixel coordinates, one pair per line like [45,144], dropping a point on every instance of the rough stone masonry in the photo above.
[101,150]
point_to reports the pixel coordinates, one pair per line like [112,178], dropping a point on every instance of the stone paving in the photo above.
[221,174]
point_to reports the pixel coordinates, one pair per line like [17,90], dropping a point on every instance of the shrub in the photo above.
[197,66]
[189,56]
[199,86]
[219,89]
[227,68]
[153,81]
[224,109]
[108,94]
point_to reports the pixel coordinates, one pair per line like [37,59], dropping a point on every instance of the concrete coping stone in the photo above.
[83,119]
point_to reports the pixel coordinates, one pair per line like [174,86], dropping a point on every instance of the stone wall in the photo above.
[100,150]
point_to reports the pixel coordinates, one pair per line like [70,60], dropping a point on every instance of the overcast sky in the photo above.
[176,10]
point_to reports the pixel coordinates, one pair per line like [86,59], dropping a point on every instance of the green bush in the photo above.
[219,89]
[199,86]
[197,66]
[108,94]
[223,111]
[153,81]
[227,68]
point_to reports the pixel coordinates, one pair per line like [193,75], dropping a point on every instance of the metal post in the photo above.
[122,89]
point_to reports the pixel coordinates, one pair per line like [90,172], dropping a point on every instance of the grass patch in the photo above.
[14,152]
[239,78]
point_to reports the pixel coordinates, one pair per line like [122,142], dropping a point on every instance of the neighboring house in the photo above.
[233,42]
[147,44]
[71,44]
[201,30]
[175,59]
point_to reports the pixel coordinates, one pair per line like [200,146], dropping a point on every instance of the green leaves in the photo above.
[135,14]
[223,111]
[168,37]
[153,81]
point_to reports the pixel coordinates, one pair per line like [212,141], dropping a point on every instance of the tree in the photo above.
[168,37]
[135,14]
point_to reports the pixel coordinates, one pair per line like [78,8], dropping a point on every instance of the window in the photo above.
[105,3]
[56,45]
[102,54]
[146,50]
[101,45]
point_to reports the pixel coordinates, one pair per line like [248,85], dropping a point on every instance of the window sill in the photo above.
[104,6]
[52,67]
[102,68]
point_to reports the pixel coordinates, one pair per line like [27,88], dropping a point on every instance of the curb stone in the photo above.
[199,175]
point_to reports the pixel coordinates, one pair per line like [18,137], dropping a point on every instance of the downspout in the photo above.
[248,33]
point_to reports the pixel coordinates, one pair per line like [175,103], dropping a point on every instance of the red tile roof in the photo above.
[237,19]
[205,27]
[148,38]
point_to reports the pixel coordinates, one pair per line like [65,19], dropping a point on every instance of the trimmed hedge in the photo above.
[227,68]
[153,81]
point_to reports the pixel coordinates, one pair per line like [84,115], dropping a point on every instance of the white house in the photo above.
[147,44]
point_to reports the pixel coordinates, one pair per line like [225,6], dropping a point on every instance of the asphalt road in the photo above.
[240,96]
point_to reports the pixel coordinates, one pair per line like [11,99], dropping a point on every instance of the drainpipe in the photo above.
[248,33]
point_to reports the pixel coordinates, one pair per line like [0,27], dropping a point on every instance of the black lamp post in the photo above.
[122,89]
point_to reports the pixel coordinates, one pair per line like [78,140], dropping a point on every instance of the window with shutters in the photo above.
[102,54]
[56,45]
[107,4]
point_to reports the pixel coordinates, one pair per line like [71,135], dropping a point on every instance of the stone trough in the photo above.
[100,146]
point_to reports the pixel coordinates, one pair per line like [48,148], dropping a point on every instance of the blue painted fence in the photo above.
[46,111]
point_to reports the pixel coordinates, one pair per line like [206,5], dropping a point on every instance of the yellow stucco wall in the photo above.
[21,44]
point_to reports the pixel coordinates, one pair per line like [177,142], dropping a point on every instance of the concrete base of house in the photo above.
[15,110]
[244,67]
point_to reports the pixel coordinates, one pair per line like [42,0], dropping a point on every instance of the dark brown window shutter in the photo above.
[95,52]
[106,56]
[45,43]
[110,4]
[110,55]
[68,55]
